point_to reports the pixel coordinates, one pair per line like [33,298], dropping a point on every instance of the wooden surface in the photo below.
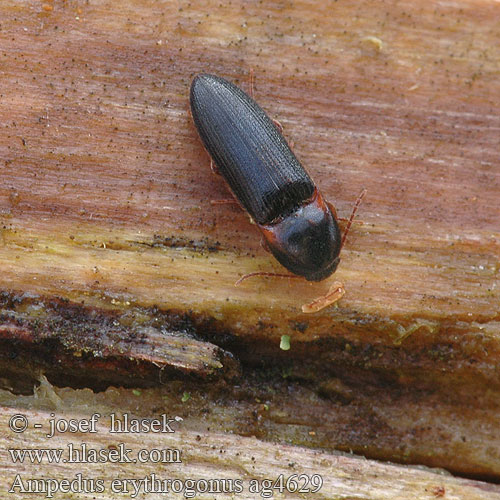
[109,243]
[204,455]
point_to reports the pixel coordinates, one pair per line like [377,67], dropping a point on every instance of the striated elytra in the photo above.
[267,179]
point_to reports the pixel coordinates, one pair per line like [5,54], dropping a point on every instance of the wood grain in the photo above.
[106,215]
[210,455]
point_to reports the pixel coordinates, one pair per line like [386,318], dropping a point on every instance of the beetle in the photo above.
[299,227]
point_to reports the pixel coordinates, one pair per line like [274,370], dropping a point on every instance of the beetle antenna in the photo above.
[353,213]
[263,273]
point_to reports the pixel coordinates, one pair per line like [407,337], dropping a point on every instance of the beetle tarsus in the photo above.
[280,128]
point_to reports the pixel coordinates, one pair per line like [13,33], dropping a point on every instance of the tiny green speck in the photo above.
[285,342]
[185,397]
[136,392]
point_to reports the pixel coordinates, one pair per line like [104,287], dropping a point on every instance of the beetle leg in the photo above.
[251,83]
[263,244]
[280,128]
[278,124]
[213,167]
[251,79]
[225,201]
[344,221]
[332,209]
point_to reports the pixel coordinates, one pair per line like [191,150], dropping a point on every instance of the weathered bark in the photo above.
[198,454]
[116,269]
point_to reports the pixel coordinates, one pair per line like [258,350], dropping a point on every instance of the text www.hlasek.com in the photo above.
[83,454]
